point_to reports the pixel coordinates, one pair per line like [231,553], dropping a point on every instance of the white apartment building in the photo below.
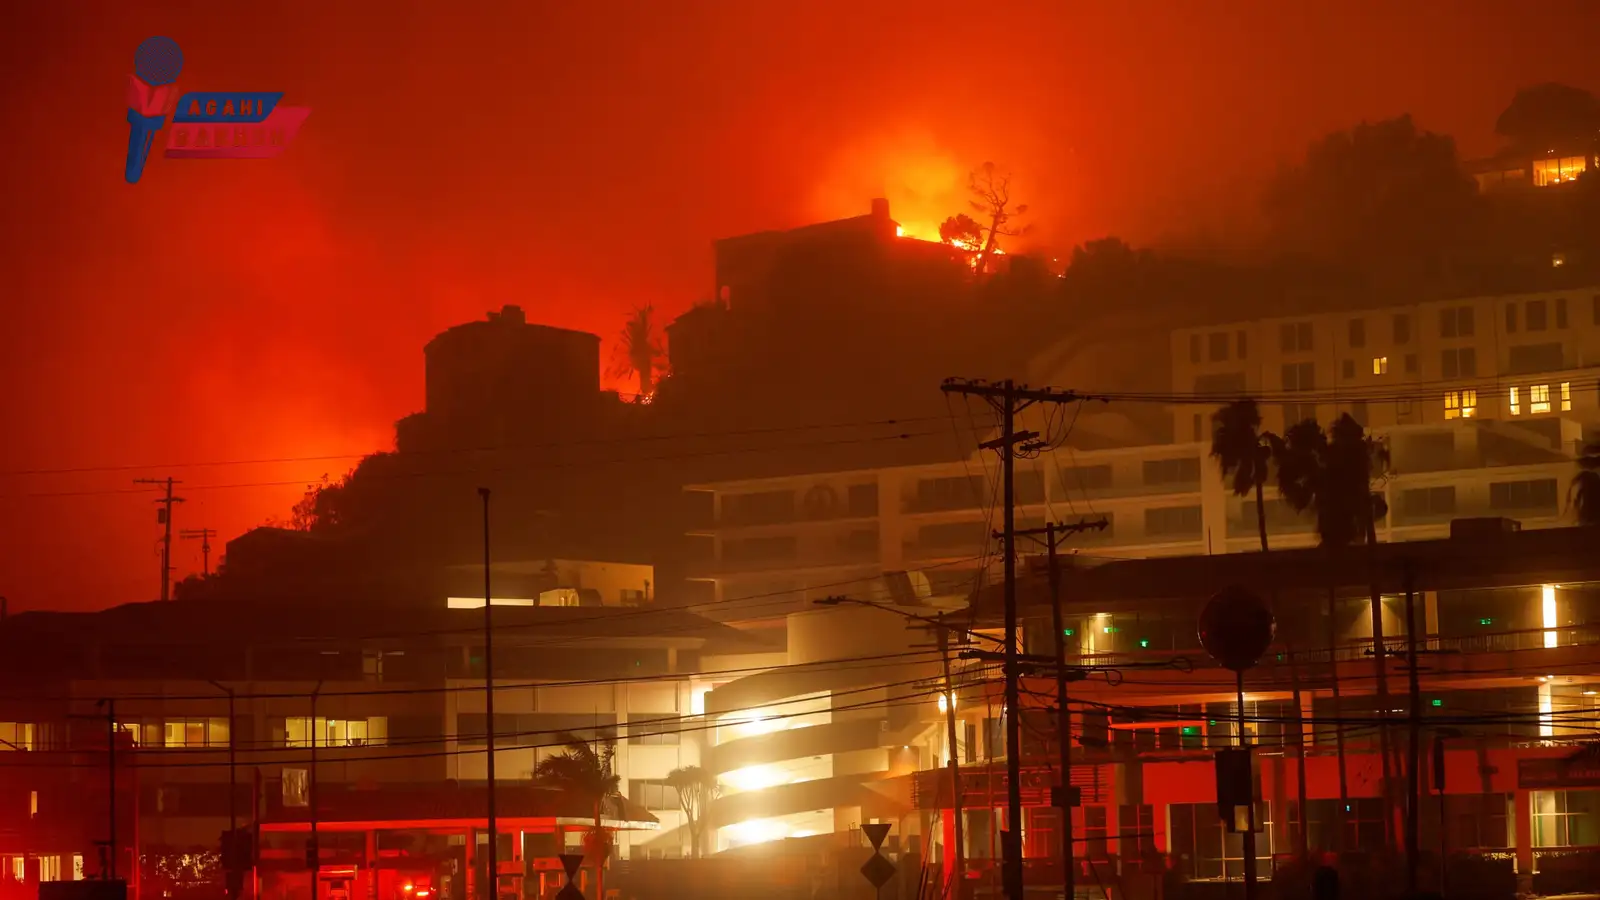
[1483,402]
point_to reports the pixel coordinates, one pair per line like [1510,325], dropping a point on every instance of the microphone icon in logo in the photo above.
[156,66]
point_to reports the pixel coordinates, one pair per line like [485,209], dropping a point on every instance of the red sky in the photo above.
[578,158]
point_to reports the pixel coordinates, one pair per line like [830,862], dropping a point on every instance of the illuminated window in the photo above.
[1516,405]
[370,732]
[16,736]
[1566,396]
[1539,398]
[1558,171]
[1557,260]
[1460,404]
[1380,365]
[181,733]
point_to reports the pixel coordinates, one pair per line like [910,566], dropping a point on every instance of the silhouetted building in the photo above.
[502,380]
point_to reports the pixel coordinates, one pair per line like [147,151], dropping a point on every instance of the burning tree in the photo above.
[991,202]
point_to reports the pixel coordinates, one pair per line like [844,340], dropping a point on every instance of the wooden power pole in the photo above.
[164,518]
[1009,399]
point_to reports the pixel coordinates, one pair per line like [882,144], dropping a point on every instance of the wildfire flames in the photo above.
[917,235]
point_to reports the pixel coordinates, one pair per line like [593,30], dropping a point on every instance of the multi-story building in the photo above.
[1525,359]
[242,709]
[1498,629]
[1481,402]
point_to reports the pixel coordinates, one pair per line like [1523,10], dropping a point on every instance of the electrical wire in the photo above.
[910,699]
[552,466]
[453,451]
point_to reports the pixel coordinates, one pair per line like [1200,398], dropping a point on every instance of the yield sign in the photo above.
[878,870]
[876,832]
[571,862]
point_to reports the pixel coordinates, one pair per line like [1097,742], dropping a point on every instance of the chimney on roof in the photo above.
[880,208]
[510,313]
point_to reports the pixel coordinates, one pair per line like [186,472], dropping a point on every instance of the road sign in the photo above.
[572,862]
[878,871]
[876,832]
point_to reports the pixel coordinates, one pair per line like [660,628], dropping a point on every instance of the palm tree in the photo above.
[1331,473]
[639,352]
[697,790]
[1243,452]
[585,773]
[1584,495]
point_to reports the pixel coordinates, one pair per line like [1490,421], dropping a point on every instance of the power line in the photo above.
[901,436]
[453,451]
[909,699]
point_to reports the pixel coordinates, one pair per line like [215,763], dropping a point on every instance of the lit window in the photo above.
[193,733]
[1557,260]
[1539,398]
[1516,405]
[1566,396]
[1557,171]
[16,736]
[1380,365]
[300,731]
[1460,404]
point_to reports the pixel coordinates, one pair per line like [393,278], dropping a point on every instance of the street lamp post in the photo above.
[958,853]
[233,782]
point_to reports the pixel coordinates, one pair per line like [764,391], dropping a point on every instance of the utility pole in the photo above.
[204,535]
[958,854]
[1009,399]
[493,890]
[1414,740]
[231,858]
[1054,534]
[164,517]
[111,787]
[314,851]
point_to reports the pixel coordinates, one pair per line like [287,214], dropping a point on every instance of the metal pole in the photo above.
[316,848]
[1300,753]
[493,891]
[111,793]
[1012,844]
[1069,872]
[1249,840]
[1414,739]
[233,767]
[959,852]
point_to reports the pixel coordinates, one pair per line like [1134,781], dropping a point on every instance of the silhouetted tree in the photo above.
[1330,473]
[585,773]
[1386,198]
[1243,454]
[305,516]
[1544,115]
[697,790]
[1584,494]
[639,351]
[991,200]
